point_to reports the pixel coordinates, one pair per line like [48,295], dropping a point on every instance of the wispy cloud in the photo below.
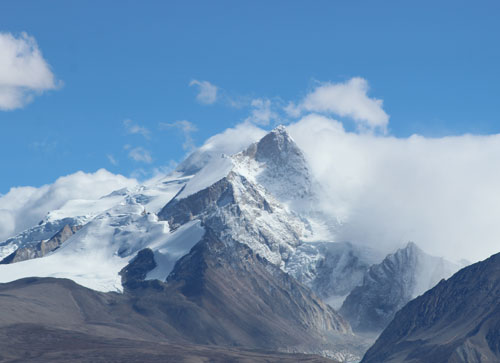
[45,145]
[24,72]
[112,159]
[261,112]
[186,128]
[348,99]
[139,154]
[207,92]
[133,128]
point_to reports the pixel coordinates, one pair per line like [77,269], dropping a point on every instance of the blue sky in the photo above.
[434,65]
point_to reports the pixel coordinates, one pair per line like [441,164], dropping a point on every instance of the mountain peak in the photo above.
[412,246]
[284,169]
[277,144]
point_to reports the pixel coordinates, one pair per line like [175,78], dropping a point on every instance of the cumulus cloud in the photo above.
[207,92]
[133,128]
[348,99]
[442,193]
[186,128]
[24,72]
[261,112]
[24,207]
[140,154]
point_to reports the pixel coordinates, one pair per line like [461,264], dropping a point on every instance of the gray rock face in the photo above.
[41,248]
[456,321]
[32,236]
[388,286]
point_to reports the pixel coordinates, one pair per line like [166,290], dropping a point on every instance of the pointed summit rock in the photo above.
[284,171]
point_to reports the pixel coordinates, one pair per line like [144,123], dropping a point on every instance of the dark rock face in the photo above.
[135,272]
[456,321]
[41,248]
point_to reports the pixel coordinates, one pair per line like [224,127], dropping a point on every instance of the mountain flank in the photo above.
[456,321]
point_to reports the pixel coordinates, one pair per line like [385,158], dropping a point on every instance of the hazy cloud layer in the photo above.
[348,99]
[24,72]
[24,207]
[207,92]
[442,193]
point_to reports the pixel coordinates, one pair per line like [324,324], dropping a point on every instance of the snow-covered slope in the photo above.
[115,228]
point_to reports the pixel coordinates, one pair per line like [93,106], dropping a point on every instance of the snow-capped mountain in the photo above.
[221,230]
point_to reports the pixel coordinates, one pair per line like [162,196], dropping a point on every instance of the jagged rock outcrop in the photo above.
[458,321]
[41,248]
[45,230]
[388,286]
[136,271]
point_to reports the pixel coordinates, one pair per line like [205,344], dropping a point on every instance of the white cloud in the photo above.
[207,92]
[134,128]
[23,71]
[347,99]
[261,112]
[186,128]
[140,154]
[442,193]
[24,207]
